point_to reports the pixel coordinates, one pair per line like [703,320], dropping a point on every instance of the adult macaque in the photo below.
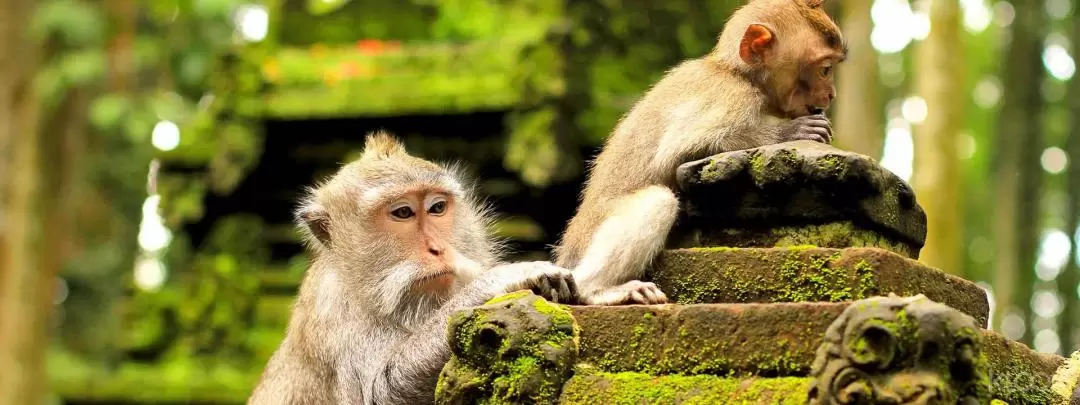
[768,80]
[398,244]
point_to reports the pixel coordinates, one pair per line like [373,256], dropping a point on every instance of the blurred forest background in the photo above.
[152,153]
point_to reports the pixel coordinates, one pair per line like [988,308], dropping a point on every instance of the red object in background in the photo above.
[372,46]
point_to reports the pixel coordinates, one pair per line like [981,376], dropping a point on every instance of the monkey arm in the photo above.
[408,374]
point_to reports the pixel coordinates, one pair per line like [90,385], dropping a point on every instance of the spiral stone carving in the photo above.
[900,350]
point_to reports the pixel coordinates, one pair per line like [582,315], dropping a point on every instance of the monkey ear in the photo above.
[313,217]
[380,144]
[757,39]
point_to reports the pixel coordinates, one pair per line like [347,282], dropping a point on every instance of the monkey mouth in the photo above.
[445,272]
[815,110]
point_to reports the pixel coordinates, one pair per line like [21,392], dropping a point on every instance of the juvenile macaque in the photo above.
[398,244]
[768,80]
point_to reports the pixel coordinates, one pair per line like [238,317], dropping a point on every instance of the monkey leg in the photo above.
[623,246]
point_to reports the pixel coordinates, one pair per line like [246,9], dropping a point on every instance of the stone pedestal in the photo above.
[794,280]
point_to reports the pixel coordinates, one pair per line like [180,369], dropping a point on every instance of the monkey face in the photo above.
[421,222]
[400,228]
[795,55]
[814,88]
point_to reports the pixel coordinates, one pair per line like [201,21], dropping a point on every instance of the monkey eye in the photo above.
[826,70]
[438,208]
[402,213]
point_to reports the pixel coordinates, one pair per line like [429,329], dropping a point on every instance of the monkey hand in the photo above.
[631,292]
[809,127]
[547,280]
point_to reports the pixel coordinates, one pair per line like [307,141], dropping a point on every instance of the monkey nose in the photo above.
[435,249]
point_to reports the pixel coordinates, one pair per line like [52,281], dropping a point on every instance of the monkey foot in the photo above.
[632,292]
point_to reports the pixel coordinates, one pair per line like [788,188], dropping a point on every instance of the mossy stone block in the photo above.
[840,234]
[716,339]
[803,274]
[901,350]
[764,340]
[1019,375]
[638,388]
[517,348]
[785,193]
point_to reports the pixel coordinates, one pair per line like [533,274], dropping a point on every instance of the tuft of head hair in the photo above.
[781,17]
[380,145]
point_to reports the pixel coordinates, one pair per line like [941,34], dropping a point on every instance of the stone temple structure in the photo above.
[794,280]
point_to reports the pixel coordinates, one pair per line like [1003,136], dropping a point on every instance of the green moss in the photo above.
[841,234]
[559,314]
[802,276]
[509,297]
[757,164]
[832,164]
[711,172]
[637,388]
[713,249]
[536,347]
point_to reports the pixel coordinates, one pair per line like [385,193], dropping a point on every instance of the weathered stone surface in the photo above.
[1019,375]
[773,194]
[779,339]
[900,350]
[638,388]
[515,349]
[841,234]
[798,274]
[763,339]
[1067,379]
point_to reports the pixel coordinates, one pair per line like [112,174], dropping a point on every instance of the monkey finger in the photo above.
[565,289]
[545,285]
[819,131]
[637,297]
[663,299]
[652,295]
[809,137]
[817,121]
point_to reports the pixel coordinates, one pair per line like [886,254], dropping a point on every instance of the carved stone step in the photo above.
[807,274]
[521,348]
[637,388]
[797,193]
[779,339]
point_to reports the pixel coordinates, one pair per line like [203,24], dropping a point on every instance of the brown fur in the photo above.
[747,92]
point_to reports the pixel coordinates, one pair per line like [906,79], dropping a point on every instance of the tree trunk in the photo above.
[26,288]
[1017,176]
[939,80]
[858,116]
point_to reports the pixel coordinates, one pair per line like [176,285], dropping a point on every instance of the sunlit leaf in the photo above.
[83,67]
[107,111]
[139,125]
[318,7]
[149,51]
[213,8]
[77,22]
[170,106]
[194,68]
